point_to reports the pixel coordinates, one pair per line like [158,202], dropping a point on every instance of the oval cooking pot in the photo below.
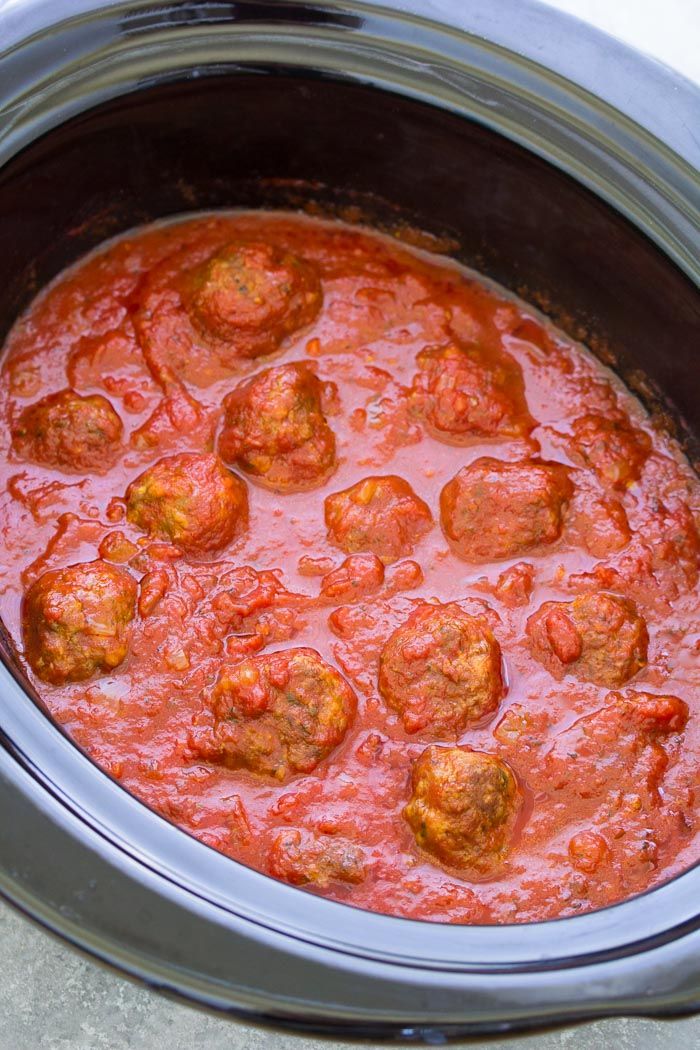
[474,122]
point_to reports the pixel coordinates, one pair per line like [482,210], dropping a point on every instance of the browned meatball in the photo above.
[76,621]
[493,510]
[612,447]
[275,429]
[599,638]
[73,433]
[602,524]
[300,857]
[463,808]
[655,715]
[382,515]
[280,713]
[253,295]
[461,395]
[190,499]
[440,670]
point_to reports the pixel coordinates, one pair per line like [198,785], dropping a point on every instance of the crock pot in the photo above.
[474,122]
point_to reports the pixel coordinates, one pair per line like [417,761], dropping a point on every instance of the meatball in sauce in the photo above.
[76,621]
[601,638]
[275,429]
[355,568]
[279,714]
[463,807]
[461,396]
[191,500]
[493,510]
[252,295]
[441,670]
[73,433]
[612,447]
[380,515]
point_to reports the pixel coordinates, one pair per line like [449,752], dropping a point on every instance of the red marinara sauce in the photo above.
[356,569]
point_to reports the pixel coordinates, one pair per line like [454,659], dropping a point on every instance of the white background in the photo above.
[667,29]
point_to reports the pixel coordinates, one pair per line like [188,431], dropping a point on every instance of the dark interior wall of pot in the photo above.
[279,140]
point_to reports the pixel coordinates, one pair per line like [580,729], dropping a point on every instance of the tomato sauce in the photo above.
[424,372]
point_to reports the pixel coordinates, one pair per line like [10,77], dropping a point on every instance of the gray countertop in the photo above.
[54,999]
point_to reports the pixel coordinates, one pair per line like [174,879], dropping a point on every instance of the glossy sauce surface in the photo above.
[605,775]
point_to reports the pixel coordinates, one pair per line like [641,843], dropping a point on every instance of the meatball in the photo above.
[76,621]
[461,396]
[492,510]
[274,428]
[599,638]
[280,713]
[440,670]
[602,524]
[655,715]
[463,807]
[300,857]
[382,515]
[70,432]
[190,499]
[252,295]
[611,447]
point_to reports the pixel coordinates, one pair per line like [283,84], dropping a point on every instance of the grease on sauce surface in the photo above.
[355,569]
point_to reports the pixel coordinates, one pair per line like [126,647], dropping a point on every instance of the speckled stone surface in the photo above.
[51,998]
[54,999]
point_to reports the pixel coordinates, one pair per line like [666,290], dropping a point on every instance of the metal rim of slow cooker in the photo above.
[599,147]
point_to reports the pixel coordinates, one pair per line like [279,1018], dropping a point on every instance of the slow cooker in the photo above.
[555,161]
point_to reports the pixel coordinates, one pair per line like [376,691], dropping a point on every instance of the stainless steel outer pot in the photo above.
[475,122]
